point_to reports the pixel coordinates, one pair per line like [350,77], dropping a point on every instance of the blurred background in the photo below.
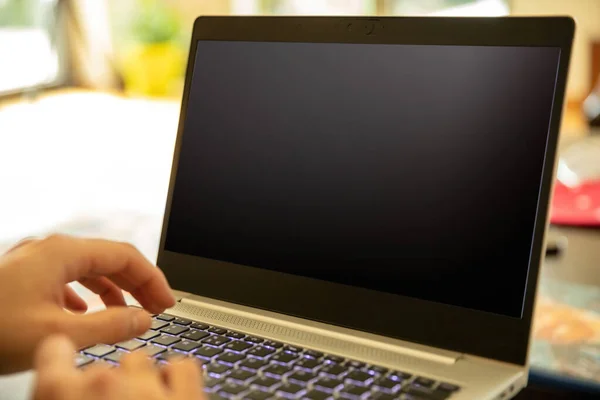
[89,103]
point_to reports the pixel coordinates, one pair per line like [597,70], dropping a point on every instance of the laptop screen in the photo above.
[408,169]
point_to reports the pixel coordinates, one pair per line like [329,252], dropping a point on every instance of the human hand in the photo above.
[34,294]
[136,377]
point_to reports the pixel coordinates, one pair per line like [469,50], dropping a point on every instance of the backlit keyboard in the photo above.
[240,366]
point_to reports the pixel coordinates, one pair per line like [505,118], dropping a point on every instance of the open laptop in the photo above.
[357,206]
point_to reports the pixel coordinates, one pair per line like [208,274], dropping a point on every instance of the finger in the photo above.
[22,243]
[55,353]
[139,369]
[101,382]
[97,367]
[122,263]
[138,362]
[183,378]
[54,365]
[73,301]
[112,325]
[110,293]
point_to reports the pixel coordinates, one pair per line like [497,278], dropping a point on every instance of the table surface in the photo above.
[89,184]
[567,322]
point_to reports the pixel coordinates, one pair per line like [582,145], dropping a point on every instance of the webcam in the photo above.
[367,26]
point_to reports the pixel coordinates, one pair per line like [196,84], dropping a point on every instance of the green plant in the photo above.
[156,22]
[17,13]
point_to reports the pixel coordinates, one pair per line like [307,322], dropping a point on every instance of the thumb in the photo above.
[55,353]
[55,365]
[112,325]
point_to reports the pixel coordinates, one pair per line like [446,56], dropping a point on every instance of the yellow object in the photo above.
[154,70]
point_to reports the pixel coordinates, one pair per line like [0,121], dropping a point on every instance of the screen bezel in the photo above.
[450,327]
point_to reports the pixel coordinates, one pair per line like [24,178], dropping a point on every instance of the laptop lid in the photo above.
[390,175]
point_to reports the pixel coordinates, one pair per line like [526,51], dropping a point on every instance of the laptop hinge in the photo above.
[263,323]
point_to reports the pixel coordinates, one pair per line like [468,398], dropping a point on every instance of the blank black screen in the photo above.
[409,169]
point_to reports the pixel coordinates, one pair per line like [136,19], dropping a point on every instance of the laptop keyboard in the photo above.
[240,366]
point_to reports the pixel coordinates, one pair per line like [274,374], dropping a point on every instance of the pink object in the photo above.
[578,205]
[577,192]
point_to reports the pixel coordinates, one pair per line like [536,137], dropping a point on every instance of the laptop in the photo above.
[357,206]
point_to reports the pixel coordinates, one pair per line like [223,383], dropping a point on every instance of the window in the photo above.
[382,7]
[319,7]
[482,8]
[28,44]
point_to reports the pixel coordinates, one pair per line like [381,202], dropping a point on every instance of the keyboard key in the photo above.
[203,361]
[448,387]
[216,340]
[284,357]
[231,357]
[387,384]
[258,395]
[232,388]
[101,362]
[327,384]
[235,335]
[210,381]
[355,364]
[335,359]
[334,370]
[99,350]
[300,376]
[186,345]
[175,329]
[208,351]
[359,377]
[289,389]
[276,370]
[316,395]
[194,335]
[149,335]
[217,396]
[352,392]
[171,355]
[273,344]
[260,351]
[199,325]
[307,363]
[218,369]
[131,345]
[420,392]
[153,350]
[313,353]
[219,331]
[82,359]
[293,349]
[156,324]
[238,345]
[182,321]
[253,363]
[241,375]
[165,317]
[381,396]
[437,394]
[424,382]
[265,382]
[378,370]
[399,376]
[254,339]
[166,340]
